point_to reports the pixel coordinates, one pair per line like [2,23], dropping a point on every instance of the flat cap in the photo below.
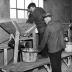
[47,15]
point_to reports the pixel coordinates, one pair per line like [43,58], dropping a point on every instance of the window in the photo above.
[17,6]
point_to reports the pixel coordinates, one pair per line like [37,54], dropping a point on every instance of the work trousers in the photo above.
[55,59]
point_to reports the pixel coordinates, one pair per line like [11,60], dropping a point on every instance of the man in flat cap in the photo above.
[53,37]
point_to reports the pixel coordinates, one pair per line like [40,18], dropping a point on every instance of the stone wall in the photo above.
[60,9]
[4,8]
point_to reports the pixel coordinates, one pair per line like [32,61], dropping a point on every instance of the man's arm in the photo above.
[44,40]
[30,19]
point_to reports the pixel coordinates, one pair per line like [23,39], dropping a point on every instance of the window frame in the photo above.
[17,9]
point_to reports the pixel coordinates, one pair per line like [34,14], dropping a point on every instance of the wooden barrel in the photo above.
[29,55]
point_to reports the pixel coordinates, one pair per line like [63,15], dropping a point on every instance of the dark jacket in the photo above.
[53,37]
[37,17]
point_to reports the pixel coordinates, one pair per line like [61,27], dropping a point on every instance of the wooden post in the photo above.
[16,46]
[16,42]
[5,56]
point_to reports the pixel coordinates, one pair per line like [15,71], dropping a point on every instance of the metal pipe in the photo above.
[21,9]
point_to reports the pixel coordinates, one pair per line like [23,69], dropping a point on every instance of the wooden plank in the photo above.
[66,54]
[25,38]
[24,66]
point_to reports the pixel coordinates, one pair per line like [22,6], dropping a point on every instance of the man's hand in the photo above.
[39,48]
